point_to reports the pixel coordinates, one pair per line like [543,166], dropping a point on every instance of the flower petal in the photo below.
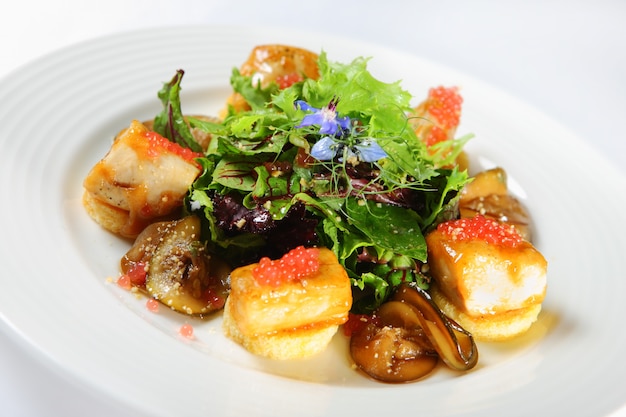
[324,149]
[370,151]
[344,122]
[312,119]
[301,104]
[327,126]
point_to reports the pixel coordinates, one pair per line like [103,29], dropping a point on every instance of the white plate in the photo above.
[57,117]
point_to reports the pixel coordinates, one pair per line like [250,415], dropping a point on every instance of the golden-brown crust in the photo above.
[286,344]
[293,320]
[109,217]
[489,327]
[275,59]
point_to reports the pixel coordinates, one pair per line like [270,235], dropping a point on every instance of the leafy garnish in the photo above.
[170,123]
[330,161]
[256,96]
[390,228]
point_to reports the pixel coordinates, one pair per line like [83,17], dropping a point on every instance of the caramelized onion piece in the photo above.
[488,195]
[393,347]
[489,182]
[144,246]
[453,343]
[180,273]
[502,208]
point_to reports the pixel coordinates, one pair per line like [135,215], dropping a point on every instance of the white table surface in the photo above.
[565,57]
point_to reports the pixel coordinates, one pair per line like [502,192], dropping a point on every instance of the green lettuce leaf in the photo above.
[395,229]
[170,123]
[254,95]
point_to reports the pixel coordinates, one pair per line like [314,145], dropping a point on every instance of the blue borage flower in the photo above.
[329,147]
[365,150]
[325,149]
[326,118]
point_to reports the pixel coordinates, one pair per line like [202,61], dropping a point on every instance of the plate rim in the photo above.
[17,74]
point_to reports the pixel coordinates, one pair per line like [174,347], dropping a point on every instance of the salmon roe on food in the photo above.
[159,144]
[287,80]
[444,105]
[481,228]
[137,274]
[296,264]
[124,282]
[186,331]
[152,305]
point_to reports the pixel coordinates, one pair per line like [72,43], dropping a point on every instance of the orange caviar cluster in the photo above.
[294,265]
[287,80]
[481,228]
[158,144]
[444,106]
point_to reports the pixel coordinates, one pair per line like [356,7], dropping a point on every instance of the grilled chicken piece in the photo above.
[143,178]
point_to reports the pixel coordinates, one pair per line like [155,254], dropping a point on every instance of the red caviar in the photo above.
[137,274]
[186,331]
[296,264]
[444,106]
[288,80]
[481,228]
[152,305]
[124,282]
[158,144]
[436,135]
[213,298]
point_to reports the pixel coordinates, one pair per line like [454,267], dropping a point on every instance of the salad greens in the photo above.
[330,162]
